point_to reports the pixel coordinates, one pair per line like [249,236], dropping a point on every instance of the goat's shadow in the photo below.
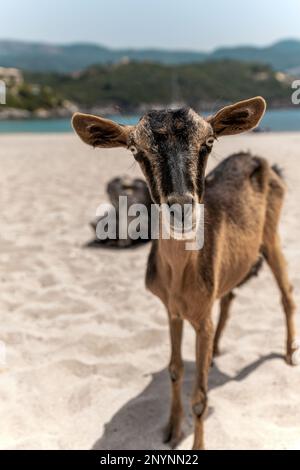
[139,423]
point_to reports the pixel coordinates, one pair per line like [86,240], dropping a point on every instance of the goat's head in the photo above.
[172,146]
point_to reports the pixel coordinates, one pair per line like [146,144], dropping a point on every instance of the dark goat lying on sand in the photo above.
[136,192]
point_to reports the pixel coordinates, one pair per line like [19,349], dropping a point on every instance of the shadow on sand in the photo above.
[115,244]
[139,423]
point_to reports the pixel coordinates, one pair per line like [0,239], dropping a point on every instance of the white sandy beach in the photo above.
[87,347]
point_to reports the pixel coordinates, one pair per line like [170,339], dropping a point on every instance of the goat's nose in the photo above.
[181,200]
[180,208]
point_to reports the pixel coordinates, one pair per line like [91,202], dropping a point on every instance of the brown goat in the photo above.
[242,199]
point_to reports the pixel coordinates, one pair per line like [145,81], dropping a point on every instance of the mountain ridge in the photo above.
[67,58]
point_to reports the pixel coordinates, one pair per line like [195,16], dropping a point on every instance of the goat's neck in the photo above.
[176,255]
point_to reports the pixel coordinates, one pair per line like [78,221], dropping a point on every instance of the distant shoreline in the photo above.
[15,114]
[275,120]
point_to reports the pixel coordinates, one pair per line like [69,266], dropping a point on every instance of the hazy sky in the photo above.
[176,24]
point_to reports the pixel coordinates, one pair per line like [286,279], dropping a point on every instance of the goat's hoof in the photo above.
[172,435]
[293,354]
[198,447]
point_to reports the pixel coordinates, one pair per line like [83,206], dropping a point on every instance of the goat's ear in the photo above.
[100,132]
[238,117]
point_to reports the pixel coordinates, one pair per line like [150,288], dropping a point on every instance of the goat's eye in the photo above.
[133,149]
[209,141]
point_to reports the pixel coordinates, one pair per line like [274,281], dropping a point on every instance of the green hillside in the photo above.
[134,84]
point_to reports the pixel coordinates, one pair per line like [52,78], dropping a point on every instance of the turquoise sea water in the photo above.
[275,120]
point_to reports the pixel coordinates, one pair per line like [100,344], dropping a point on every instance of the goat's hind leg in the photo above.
[277,263]
[173,433]
[273,254]
[225,304]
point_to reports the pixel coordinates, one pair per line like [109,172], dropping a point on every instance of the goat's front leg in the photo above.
[204,348]
[173,433]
